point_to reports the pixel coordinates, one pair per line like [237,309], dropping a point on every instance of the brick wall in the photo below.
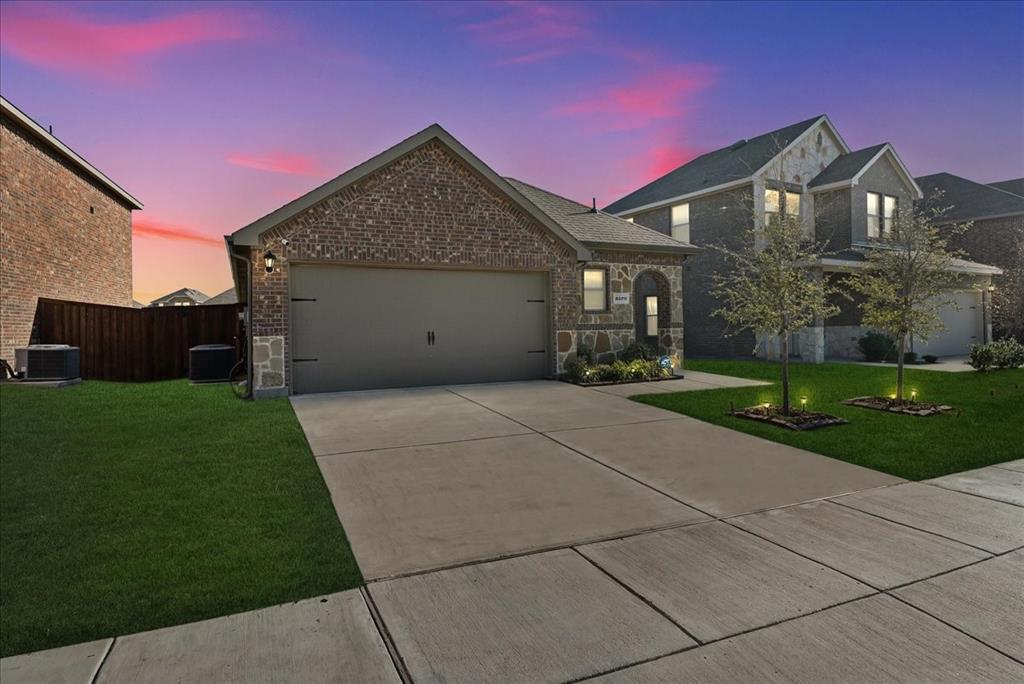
[61,237]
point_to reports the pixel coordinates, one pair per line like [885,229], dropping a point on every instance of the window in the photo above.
[594,296]
[888,213]
[651,304]
[772,204]
[874,215]
[681,222]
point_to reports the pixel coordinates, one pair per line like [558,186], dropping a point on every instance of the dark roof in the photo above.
[969,200]
[194,295]
[597,229]
[228,296]
[1014,185]
[731,163]
[846,166]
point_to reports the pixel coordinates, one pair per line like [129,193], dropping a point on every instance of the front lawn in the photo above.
[125,507]
[988,429]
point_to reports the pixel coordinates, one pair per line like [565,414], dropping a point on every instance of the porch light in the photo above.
[268,260]
[991,288]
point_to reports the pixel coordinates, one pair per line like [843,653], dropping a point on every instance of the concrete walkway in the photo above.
[544,532]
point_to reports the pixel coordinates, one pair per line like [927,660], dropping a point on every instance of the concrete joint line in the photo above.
[385,635]
[986,498]
[102,661]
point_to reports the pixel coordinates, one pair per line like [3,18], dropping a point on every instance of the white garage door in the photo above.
[363,328]
[964,327]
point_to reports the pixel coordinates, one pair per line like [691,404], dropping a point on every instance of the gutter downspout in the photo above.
[248,315]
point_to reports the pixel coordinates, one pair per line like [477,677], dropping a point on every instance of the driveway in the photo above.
[540,531]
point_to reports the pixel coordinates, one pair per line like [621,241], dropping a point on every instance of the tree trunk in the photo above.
[899,367]
[785,374]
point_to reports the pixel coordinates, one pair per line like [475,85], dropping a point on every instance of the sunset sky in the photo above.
[215,114]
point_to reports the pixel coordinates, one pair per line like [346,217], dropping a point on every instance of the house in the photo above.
[995,213]
[843,198]
[228,296]
[422,266]
[186,296]
[65,228]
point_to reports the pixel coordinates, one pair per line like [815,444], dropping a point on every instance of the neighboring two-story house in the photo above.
[65,228]
[844,198]
[995,214]
[186,296]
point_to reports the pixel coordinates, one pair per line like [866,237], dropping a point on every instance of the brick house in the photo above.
[186,296]
[423,266]
[842,197]
[996,215]
[65,228]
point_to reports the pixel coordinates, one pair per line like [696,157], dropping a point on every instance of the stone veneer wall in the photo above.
[268,364]
[609,333]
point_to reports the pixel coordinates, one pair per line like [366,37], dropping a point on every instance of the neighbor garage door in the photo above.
[363,328]
[964,327]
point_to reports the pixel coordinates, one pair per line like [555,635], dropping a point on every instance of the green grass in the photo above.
[989,427]
[126,507]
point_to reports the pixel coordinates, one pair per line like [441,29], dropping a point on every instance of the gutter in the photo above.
[248,310]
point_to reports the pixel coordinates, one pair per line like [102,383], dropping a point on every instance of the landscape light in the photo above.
[803,402]
[268,261]
[913,395]
[892,396]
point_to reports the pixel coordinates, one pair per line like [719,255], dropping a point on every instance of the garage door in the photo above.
[364,328]
[963,328]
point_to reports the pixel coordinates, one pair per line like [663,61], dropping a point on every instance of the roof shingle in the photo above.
[969,200]
[846,166]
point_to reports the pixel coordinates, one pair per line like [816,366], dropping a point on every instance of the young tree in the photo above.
[1008,299]
[769,284]
[907,278]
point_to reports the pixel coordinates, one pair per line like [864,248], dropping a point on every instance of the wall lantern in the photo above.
[268,260]
[991,288]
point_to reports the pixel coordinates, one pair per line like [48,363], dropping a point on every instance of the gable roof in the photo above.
[228,296]
[194,295]
[734,164]
[1014,185]
[846,169]
[249,235]
[64,152]
[599,229]
[969,200]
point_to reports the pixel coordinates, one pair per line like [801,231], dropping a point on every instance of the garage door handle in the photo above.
[303,299]
[303,360]
[430,338]
[536,351]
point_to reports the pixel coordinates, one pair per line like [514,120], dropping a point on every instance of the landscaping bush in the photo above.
[577,370]
[909,357]
[603,372]
[876,346]
[1007,353]
[638,351]
[981,357]
[930,358]
[585,354]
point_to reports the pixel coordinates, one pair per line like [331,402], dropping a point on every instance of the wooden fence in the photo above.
[127,344]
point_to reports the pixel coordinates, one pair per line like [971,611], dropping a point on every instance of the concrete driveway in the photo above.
[541,532]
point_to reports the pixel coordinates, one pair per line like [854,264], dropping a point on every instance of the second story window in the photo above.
[773,204]
[595,297]
[681,222]
[888,213]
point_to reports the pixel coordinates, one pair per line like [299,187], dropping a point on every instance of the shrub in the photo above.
[981,357]
[603,372]
[1007,353]
[909,357]
[930,358]
[876,346]
[638,350]
[586,354]
[577,370]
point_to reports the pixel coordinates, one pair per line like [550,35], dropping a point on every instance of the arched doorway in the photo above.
[652,310]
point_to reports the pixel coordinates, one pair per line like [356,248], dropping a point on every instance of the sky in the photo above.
[214,114]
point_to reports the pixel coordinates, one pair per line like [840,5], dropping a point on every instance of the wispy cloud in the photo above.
[66,40]
[649,98]
[527,31]
[278,162]
[148,228]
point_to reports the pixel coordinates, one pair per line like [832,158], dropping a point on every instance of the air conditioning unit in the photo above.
[48,362]
[210,362]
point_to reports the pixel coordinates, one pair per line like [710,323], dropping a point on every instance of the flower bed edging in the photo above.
[910,408]
[799,420]
[631,381]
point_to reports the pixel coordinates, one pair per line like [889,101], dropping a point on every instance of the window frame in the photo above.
[648,316]
[782,202]
[673,225]
[583,289]
[877,215]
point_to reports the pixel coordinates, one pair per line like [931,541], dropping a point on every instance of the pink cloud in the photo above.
[278,162]
[67,41]
[663,94]
[528,29]
[146,228]
[662,158]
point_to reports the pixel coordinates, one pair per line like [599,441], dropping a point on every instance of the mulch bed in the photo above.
[620,382]
[797,420]
[911,408]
